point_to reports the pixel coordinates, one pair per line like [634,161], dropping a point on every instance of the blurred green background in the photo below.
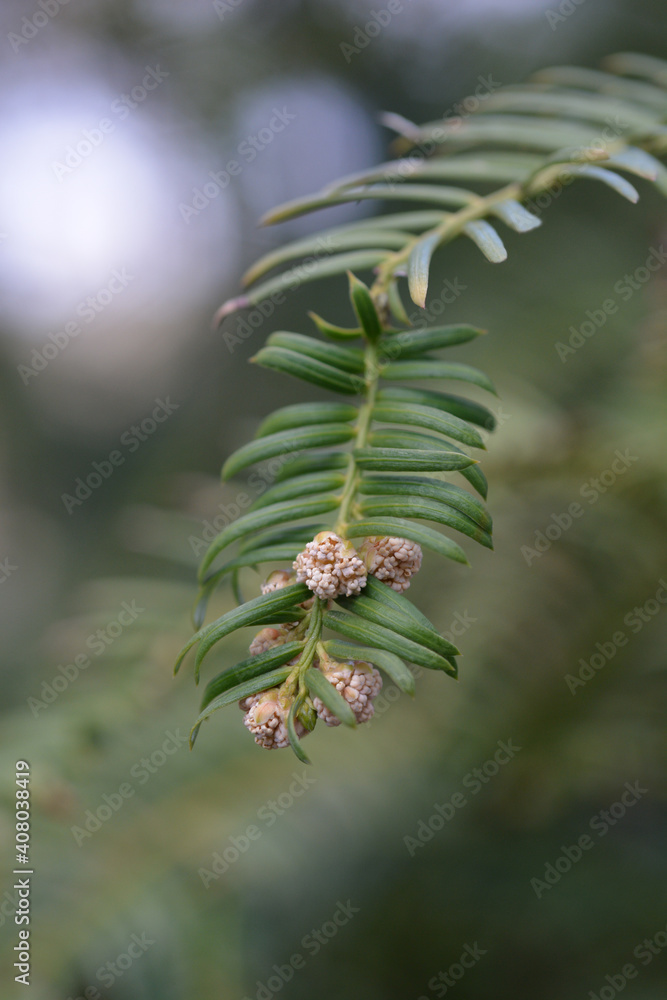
[224,863]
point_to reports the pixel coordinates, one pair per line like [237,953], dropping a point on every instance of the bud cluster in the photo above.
[266,714]
[331,567]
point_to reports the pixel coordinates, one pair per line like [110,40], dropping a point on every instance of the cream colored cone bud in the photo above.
[330,566]
[357,681]
[267,638]
[277,580]
[266,719]
[392,560]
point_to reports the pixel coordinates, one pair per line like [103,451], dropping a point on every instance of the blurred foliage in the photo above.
[343,838]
